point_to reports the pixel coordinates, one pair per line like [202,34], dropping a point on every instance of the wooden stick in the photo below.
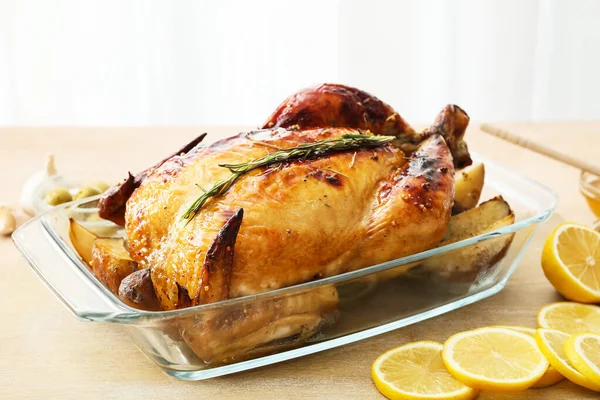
[540,148]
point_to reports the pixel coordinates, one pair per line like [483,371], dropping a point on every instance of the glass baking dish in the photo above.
[238,334]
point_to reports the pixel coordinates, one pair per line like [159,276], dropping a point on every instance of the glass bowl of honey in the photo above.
[589,185]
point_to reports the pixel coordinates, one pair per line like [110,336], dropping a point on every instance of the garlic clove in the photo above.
[34,182]
[8,222]
[50,165]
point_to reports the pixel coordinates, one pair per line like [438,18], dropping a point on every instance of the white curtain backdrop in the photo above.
[146,62]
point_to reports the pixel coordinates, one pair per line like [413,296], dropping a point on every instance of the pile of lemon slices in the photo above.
[498,358]
[510,358]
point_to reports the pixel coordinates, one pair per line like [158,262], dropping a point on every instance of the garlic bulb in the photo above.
[33,183]
[8,223]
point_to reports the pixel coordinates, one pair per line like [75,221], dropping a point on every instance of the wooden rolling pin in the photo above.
[540,148]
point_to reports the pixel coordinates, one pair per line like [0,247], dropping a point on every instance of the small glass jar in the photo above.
[87,214]
[54,182]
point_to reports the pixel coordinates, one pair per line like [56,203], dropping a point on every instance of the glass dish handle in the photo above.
[70,284]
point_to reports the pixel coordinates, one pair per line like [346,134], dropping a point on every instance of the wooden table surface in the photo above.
[46,353]
[564,137]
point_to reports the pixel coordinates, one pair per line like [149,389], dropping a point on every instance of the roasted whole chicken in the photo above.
[292,223]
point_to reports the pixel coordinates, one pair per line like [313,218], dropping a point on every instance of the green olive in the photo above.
[57,196]
[86,191]
[101,186]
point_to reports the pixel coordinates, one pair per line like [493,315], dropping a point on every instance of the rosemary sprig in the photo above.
[304,151]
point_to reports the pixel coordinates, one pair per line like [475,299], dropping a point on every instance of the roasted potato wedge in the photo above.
[467,187]
[474,221]
[82,240]
[463,265]
[461,226]
[111,262]
[136,290]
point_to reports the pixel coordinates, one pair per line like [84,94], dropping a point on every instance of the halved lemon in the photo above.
[570,318]
[571,262]
[551,376]
[416,371]
[551,343]
[496,359]
[583,351]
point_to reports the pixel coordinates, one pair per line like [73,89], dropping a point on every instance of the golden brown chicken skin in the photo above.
[343,106]
[303,221]
[326,105]
[333,105]
[293,223]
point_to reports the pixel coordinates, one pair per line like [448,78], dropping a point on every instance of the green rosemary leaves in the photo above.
[304,151]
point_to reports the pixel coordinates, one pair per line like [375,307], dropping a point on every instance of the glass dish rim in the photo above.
[129,314]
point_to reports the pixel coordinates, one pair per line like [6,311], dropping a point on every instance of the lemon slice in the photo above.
[551,376]
[552,343]
[571,262]
[496,359]
[583,351]
[570,318]
[522,329]
[416,371]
